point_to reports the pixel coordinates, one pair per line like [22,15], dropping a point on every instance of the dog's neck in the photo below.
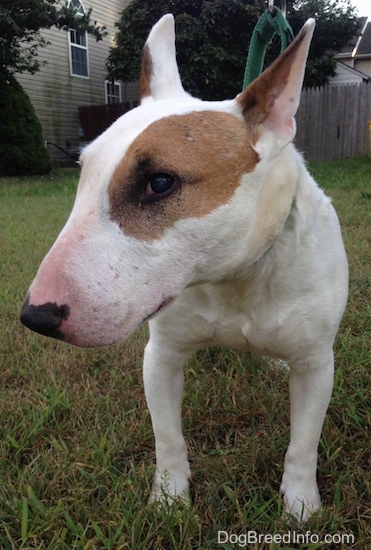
[274,203]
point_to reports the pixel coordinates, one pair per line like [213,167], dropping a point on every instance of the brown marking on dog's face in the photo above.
[205,153]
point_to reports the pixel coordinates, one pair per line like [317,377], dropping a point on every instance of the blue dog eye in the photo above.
[160,183]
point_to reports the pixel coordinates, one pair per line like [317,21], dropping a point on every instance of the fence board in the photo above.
[95,119]
[332,122]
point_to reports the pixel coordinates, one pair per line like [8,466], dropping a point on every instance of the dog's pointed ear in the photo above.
[270,102]
[159,78]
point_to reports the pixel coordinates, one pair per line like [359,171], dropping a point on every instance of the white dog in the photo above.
[202,218]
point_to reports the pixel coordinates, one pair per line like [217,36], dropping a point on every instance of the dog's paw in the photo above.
[168,489]
[300,505]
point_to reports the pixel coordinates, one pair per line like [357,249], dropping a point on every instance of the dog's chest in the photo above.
[226,316]
[245,330]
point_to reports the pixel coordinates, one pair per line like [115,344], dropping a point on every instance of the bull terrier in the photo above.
[201,218]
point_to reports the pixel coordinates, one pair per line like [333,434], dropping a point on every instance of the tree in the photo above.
[336,24]
[22,151]
[20,24]
[213,38]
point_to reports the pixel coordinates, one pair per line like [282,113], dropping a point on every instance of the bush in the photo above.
[22,151]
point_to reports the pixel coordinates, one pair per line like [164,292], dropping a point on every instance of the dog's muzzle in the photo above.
[45,318]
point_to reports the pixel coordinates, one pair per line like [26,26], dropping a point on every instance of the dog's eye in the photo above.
[159,184]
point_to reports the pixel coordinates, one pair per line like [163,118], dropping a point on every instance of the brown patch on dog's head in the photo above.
[205,153]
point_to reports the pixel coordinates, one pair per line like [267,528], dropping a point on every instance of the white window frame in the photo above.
[108,96]
[72,44]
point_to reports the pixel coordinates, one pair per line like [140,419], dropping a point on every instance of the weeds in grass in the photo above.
[76,445]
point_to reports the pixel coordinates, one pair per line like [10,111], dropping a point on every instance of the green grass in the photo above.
[76,445]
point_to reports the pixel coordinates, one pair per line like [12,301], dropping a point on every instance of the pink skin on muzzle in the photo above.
[80,296]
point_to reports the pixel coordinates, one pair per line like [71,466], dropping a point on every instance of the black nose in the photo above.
[45,318]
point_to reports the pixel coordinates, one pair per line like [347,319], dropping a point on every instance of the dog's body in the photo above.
[204,210]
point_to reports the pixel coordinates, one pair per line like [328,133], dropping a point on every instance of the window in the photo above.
[78,44]
[76,6]
[112,91]
[78,53]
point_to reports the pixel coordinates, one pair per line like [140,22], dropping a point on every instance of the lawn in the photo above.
[76,445]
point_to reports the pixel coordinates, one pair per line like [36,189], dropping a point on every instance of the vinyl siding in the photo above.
[345,75]
[363,65]
[56,95]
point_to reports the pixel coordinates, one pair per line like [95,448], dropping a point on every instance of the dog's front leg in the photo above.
[163,384]
[310,392]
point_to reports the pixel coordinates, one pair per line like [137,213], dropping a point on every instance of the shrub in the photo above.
[22,150]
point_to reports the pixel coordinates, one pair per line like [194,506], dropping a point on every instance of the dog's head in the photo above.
[176,192]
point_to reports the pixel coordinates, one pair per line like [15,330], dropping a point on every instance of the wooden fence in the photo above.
[95,119]
[332,122]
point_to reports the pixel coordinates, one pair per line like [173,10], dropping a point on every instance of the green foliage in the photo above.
[213,38]
[21,147]
[20,24]
[22,150]
[336,25]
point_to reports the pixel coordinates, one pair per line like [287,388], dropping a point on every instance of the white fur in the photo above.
[264,272]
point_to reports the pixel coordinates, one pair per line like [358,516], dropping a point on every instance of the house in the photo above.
[354,61]
[347,75]
[72,75]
